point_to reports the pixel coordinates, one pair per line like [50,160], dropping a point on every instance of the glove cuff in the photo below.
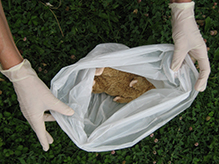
[19,72]
[182,6]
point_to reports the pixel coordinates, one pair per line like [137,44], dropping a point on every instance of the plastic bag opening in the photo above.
[99,124]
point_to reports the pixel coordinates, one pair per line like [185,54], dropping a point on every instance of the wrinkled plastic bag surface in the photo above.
[99,124]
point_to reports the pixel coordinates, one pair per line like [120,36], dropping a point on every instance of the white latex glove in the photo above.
[187,39]
[35,98]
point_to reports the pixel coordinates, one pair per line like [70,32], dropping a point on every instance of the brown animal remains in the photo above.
[124,86]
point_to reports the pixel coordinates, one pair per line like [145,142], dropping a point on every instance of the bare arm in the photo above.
[9,54]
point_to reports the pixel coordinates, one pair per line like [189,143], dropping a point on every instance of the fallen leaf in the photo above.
[2,79]
[208,118]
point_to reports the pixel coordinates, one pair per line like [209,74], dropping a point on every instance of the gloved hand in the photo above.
[35,98]
[187,39]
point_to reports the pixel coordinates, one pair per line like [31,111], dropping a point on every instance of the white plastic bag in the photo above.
[99,124]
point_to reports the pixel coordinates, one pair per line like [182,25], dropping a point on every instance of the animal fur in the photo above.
[124,86]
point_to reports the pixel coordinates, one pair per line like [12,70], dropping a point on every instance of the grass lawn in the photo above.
[54,37]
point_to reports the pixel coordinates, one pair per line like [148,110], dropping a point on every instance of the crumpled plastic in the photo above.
[99,124]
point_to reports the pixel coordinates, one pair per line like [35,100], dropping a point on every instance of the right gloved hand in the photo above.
[187,39]
[35,98]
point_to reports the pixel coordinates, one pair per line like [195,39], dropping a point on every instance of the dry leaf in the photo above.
[135,11]
[2,79]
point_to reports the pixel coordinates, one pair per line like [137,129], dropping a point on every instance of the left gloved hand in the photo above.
[35,98]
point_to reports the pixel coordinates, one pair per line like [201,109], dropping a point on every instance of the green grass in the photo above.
[85,24]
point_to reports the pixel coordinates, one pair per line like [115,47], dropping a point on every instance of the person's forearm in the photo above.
[179,1]
[9,54]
